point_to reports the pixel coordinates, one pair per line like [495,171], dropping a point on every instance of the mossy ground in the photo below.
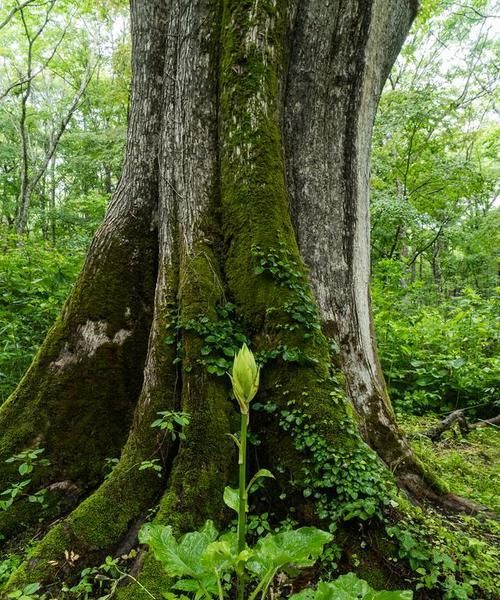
[470,465]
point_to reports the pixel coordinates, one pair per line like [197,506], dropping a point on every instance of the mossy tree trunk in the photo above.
[242,211]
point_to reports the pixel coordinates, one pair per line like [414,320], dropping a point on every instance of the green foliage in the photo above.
[435,171]
[462,566]
[435,219]
[153,465]
[437,353]
[100,582]
[29,592]
[8,565]
[64,202]
[222,338]
[201,561]
[296,548]
[172,423]
[356,474]
[468,465]
[28,459]
[286,272]
[34,282]
[349,587]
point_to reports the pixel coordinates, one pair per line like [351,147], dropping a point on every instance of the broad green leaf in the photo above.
[300,548]
[305,594]
[349,587]
[218,555]
[172,596]
[183,558]
[187,585]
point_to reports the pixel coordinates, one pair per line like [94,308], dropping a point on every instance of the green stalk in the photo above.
[263,584]
[219,585]
[243,497]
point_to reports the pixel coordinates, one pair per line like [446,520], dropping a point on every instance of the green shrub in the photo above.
[438,353]
[34,281]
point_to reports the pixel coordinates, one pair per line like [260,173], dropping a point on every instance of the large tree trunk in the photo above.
[247,159]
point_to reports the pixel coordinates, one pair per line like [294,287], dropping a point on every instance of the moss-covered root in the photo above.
[105,517]
[92,529]
[202,469]
[81,390]
[203,465]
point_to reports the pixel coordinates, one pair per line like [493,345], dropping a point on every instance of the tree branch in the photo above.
[458,416]
[13,11]
[64,123]
[433,241]
[40,70]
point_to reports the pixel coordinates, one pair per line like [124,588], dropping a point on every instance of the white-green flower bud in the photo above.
[245,378]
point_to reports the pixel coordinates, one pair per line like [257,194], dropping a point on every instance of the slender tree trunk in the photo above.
[29,183]
[52,201]
[247,160]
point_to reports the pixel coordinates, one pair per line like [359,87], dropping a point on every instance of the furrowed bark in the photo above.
[329,114]
[78,397]
[189,164]
[275,300]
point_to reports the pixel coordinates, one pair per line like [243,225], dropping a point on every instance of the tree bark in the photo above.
[329,114]
[247,159]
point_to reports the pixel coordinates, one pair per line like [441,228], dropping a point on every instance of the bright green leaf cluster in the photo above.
[349,587]
[202,561]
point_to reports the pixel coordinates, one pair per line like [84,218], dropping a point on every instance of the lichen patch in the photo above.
[89,337]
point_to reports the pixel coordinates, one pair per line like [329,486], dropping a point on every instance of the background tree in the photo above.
[47,67]
[435,214]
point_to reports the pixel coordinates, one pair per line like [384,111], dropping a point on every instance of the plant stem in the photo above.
[144,589]
[243,497]
[219,585]
[263,584]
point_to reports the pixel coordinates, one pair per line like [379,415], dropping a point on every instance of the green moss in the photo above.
[151,578]
[254,198]
[469,465]
[459,562]
[101,520]
[269,282]
[206,457]
[201,468]
[75,396]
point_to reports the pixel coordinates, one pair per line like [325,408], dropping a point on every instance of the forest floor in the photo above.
[469,465]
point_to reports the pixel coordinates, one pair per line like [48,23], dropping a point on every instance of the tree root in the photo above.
[458,416]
